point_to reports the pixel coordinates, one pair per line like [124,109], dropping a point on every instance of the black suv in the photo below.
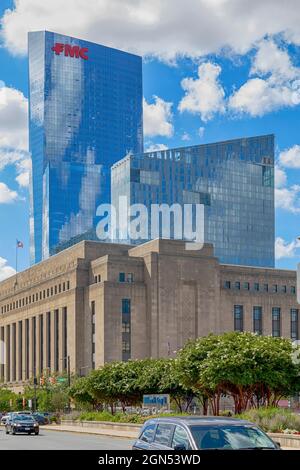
[202,433]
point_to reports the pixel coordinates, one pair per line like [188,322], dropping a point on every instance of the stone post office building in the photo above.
[99,302]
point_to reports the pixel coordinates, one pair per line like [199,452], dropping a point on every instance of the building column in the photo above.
[2,354]
[30,348]
[61,358]
[7,353]
[37,345]
[47,345]
[52,342]
[19,352]
[23,350]
[13,352]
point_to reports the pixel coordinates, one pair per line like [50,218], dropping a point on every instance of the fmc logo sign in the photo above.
[70,51]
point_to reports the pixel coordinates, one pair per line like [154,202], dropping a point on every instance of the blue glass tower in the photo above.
[85,114]
[234,180]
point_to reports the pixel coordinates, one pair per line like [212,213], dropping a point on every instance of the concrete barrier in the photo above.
[131,431]
[286,440]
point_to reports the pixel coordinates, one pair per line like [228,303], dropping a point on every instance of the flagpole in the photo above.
[16,283]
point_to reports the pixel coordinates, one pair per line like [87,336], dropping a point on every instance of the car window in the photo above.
[148,433]
[163,434]
[181,438]
[230,437]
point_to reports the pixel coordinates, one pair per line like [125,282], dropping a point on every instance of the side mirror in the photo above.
[180,447]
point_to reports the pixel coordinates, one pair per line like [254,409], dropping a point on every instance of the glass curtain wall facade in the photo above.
[85,114]
[234,180]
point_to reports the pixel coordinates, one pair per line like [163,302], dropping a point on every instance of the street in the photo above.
[56,440]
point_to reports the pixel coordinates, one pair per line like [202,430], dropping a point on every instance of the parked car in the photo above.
[202,433]
[20,423]
[41,419]
[5,418]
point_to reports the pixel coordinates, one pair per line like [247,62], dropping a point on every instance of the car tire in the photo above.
[6,431]
[13,432]
[36,433]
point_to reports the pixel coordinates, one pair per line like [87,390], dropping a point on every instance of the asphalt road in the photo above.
[56,440]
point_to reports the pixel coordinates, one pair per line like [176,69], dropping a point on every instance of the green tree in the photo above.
[250,368]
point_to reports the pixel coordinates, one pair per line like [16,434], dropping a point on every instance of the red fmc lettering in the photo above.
[70,51]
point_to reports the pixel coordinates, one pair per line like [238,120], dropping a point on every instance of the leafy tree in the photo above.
[248,367]
[80,392]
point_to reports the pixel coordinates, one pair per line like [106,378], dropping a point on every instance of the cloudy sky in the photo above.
[213,70]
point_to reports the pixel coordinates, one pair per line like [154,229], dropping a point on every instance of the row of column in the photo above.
[34,345]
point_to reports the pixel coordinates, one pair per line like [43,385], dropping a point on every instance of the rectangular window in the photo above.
[238,318]
[293,290]
[257,320]
[126,306]
[283,289]
[256,286]
[237,285]
[130,277]
[125,327]
[93,320]
[246,285]
[274,288]
[266,287]
[227,284]
[294,324]
[276,323]
[122,277]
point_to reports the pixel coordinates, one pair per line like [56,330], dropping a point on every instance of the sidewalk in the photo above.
[98,431]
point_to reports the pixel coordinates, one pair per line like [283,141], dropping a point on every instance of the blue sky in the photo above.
[204,81]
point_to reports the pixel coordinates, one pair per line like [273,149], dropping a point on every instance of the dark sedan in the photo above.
[22,424]
[202,433]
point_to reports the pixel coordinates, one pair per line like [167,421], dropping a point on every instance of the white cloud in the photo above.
[277,84]
[23,172]
[280,177]
[5,270]
[165,28]
[13,119]
[22,162]
[156,147]
[271,59]
[158,118]
[290,158]
[203,95]
[284,249]
[201,131]
[7,195]
[288,198]
[185,137]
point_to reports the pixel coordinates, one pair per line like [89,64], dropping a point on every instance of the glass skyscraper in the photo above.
[234,180]
[85,114]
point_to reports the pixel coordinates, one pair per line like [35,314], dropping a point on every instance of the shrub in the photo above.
[273,419]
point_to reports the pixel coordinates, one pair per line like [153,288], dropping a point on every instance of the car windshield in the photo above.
[231,437]
[23,418]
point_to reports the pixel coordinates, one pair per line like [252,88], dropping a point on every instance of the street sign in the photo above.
[61,379]
[156,401]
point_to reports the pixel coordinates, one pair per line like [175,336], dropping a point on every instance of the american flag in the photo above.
[20,244]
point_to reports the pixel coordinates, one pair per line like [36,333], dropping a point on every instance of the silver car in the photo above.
[202,433]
